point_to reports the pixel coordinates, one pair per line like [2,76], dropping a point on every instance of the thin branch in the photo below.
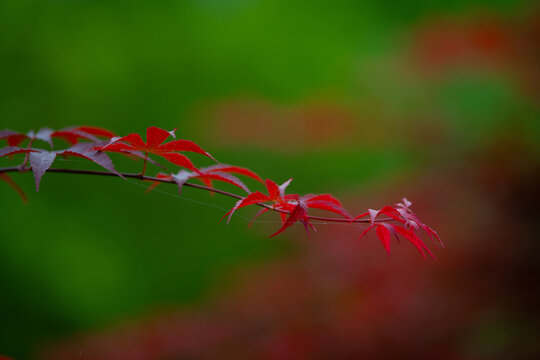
[196,186]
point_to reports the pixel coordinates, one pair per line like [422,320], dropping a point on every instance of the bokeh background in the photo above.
[368,100]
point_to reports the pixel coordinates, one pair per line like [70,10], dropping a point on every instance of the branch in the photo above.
[196,186]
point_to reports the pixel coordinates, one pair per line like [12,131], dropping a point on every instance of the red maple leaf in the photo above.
[220,172]
[325,202]
[13,138]
[154,145]
[410,230]
[293,205]
[11,150]
[207,175]
[299,213]
[276,195]
[74,133]
[71,134]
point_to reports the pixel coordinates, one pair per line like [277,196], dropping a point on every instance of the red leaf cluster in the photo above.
[409,227]
[399,220]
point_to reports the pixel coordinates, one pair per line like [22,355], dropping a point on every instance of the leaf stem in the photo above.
[143,177]
[144,164]
[27,155]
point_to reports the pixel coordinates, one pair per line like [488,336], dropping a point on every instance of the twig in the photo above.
[196,186]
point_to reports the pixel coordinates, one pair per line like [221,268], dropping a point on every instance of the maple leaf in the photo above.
[409,229]
[276,195]
[133,154]
[11,150]
[13,138]
[41,161]
[74,133]
[70,134]
[220,172]
[224,168]
[325,202]
[293,205]
[182,176]
[154,145]
[299,213]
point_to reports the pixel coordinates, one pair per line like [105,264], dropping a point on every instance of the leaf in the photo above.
[180,179]
[11,150]
[409,218]
[5,177]
[154,145]
[406,203]
[183,145]
[182,176]
[391,212]
[228,178]
[284,204]
[253,198]
[328,206]
[220,172]
[273,189]
[326,202]
[234,170]
[257,197]
[74,133]
[414,239]
[139,155]
[41,161]
[98,157]
[96,131]
[360,216]
[13,138]
[283,187]
[322,197]
[366,231]
[70,134]
[390,228]
[431,233]
[410,226]
[298,214]
[384,235]
[180,160]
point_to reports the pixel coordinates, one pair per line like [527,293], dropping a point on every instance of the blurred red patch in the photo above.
[265,125]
